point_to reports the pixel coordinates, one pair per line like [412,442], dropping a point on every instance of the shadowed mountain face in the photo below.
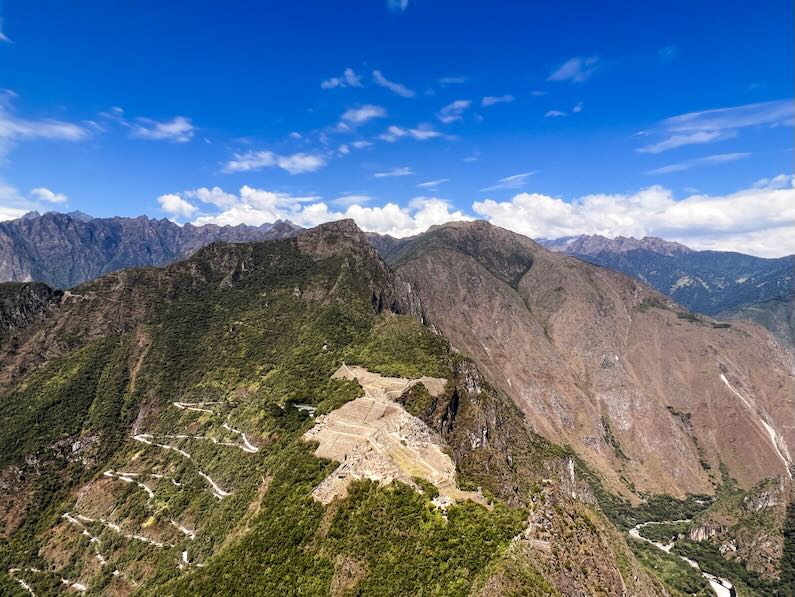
[655,398]
[63,250]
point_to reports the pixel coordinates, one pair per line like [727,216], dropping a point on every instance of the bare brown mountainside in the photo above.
[655,398]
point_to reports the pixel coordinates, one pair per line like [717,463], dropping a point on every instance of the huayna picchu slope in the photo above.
[158,439]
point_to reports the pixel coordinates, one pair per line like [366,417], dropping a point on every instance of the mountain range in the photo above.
[723,284]
[466,413]
[66,249]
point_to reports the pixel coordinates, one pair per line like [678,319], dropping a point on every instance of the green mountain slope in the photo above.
[154,442]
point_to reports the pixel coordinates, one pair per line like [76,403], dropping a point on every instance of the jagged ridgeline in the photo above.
[160,428]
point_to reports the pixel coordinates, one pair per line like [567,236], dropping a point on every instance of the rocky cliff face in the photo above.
[23,304]
[652,396]
[63,250]
[747,526]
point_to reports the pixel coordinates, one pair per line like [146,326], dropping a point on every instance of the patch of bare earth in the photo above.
[374,437]
[347,574]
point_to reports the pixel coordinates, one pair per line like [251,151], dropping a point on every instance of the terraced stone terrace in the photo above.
[374,437]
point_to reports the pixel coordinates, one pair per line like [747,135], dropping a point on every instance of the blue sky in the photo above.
[549,118]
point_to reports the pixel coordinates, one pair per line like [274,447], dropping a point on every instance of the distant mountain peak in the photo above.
[593,244]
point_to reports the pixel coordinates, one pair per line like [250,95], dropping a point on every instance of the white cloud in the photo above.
[491,100]
[403,171]
[515,181]
[45,194]
[421,133]
[177,130]
[397,88]
[360,115]
[432,184]
[454,111]
[258,206]
[362,144]
[538,93]
[575,69]
[176,206]
[758,220]
[577,107]
[716,125]
[214,196]
[14,129]
[348,79]
[554,114]
[297,163]
[709,160]
[12,204]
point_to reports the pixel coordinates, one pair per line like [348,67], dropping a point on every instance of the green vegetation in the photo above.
[664,533]
[680,578]
[709,558]
[788,557]
[656,508]
[260,345]
[398,347]
[612,440]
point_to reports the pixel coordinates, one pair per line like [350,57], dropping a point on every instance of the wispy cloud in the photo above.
[432,184]
[576,69]
[555,114]
[457,80]
[360,115]
[538,93]
[577,108]
[491,100]
[14,129]
[716,125]
[515,181]
[666,55]
[297,163]
[421,133]
[454,111]
[397,5]
[380,80]
[177,130]
[348,79]
[709,160]
[348,200]
[3,37]
[402,171]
